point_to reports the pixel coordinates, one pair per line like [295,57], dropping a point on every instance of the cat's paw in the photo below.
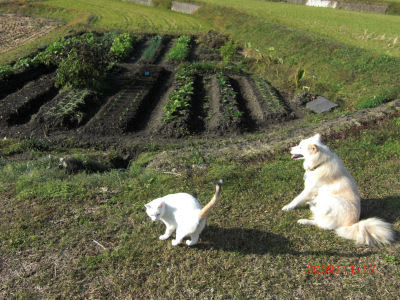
[288,207]
[175,242]
[190,243]
[163,237]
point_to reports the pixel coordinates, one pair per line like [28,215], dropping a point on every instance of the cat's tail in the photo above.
[206,209]
[372,231]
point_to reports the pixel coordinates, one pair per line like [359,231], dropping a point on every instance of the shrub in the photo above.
[228,50]
[122,46]
[85,65]
[181,49]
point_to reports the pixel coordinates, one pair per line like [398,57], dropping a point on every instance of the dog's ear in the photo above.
[317,137]
[312,149]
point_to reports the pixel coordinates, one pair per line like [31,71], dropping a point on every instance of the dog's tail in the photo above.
[206,209]
[372,232]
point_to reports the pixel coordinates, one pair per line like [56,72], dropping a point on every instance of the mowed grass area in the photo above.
[348,57]
[87,235]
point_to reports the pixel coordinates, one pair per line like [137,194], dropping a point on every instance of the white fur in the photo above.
[180,212]
[333,196]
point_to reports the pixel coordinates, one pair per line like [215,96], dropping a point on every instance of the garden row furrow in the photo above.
[274,108]
[68,110]
[121,113]
[18,107]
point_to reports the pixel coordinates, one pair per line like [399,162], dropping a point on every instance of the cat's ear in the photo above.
[147,205]
[160,205]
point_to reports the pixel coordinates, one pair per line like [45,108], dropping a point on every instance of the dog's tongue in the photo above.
[294,155]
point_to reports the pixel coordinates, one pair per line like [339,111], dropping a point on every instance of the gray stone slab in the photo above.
[320,105]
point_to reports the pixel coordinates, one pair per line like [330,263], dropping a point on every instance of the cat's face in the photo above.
[154,210]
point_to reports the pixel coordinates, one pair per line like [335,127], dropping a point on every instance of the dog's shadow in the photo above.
[387,208]
[243,240]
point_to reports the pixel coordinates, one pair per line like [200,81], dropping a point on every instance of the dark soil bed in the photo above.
[125,110]
[130,104]
[17,108]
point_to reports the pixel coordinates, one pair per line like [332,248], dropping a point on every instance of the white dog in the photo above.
[334,198]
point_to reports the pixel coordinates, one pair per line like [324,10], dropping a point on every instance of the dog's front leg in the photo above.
[305,195]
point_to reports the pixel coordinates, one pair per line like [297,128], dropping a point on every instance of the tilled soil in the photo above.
[132,104]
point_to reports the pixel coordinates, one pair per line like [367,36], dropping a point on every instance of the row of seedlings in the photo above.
[70,109]
[275,108]
[229,106]
[153,50]
[177,108]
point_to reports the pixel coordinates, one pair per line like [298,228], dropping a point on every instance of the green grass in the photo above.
[372,32]
[338,65]
[51,221]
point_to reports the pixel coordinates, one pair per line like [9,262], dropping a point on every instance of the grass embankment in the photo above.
[102,15]
[349,57]
[87,235]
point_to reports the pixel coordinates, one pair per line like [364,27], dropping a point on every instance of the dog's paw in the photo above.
[163,237]
[288,207]
[175,242]
[305,222]
[190,243]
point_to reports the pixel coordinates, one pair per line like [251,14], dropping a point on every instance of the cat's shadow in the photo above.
[243,240]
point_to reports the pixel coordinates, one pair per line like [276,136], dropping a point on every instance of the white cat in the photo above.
[182,212]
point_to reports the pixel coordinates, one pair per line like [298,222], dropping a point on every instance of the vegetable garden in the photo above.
[137,86]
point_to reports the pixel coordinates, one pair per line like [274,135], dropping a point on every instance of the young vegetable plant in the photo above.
[229,99]
[181,49]
[179,100]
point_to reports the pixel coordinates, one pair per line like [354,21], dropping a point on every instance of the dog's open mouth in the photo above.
[297,156]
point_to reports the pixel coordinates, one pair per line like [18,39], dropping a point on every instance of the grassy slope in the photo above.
[372,32]
[335,66]
[250,248]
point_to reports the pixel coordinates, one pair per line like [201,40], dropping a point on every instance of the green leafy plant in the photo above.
[122,46]
[228,50]
[181,49]
[85,65]
[299,76]
[179,100]
[392,259]
[228,98]
[5,71]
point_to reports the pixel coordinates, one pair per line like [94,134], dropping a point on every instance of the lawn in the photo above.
[87,235]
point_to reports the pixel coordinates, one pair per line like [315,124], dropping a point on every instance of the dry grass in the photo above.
[18,30]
